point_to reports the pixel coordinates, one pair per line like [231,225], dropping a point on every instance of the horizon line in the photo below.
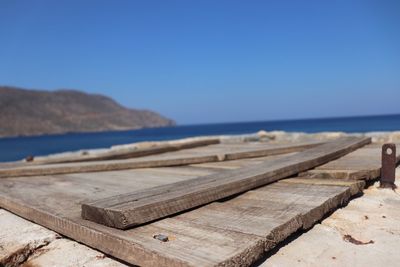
[288,119]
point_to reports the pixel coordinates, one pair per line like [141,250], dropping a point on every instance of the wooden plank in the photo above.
[239,163]
[362,164]
[123,153]
[276,210]
[279,149]
[251,223]
[134,153]
[178,158]
[354,186]
[203,245]
[127,210]
[369,174]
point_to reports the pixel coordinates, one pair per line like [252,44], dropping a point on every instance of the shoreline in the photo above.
[284,123]
[260,136]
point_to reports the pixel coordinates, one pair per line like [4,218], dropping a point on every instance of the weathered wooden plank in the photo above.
[178,158]
[276,210]
[367,174]
[237,238]
[279,149]
[126,210]
[354,186]
[122,153]
[103,166]
[203,245]
[239,163]
[134,153]
[362,164]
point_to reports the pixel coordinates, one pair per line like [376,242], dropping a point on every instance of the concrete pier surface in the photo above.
[366,232]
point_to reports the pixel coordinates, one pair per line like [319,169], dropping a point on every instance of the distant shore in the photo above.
[17,148]
[168,131]
[36,112]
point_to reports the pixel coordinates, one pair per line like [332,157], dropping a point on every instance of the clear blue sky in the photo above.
[210,61]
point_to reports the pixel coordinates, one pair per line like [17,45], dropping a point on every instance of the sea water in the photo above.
[17,148]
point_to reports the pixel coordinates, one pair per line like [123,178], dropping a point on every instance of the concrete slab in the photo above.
[19,238]
[364,233]
[67,253]
[22,241]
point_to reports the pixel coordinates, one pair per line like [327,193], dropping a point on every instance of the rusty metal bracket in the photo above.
[388,170]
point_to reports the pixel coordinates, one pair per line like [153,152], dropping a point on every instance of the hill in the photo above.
[31,112]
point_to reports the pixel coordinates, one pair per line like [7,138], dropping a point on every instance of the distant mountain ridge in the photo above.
[31,112]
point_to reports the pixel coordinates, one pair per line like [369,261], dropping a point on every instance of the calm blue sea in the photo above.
[19,147]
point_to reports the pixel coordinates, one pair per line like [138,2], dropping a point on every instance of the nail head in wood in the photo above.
[161,237]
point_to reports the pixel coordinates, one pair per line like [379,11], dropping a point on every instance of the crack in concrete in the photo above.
[20,256]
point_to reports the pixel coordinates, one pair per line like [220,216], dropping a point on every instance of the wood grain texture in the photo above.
[125,153]
[230,232]
[362,164]
[212,153]
[126,210]
[234,232]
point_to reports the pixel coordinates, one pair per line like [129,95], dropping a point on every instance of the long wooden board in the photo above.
[126,153]
[213,153]
[121,153]
[234,232]
[362,164]
[131,209]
